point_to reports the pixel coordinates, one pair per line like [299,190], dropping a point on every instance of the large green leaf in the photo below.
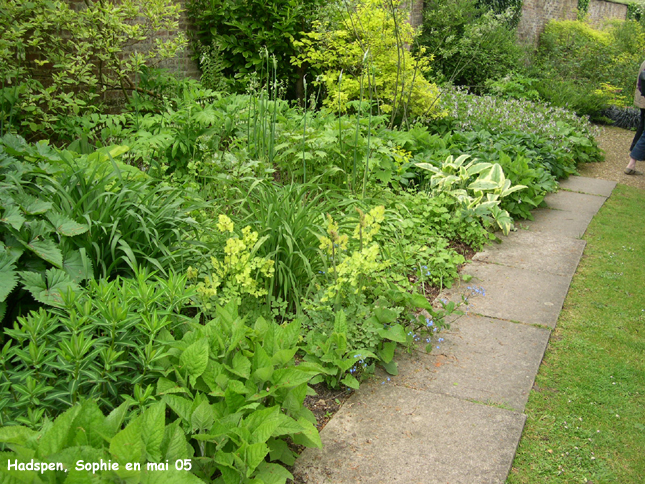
[195,358]
[8,277]
[56,437]
[78,265]
[387,352]
[15,435]
[180,405]
[202,418]
[32,205]
[65,225]
[153,422]
[394,333]
[112,423]
[46,249]
[268,424]
[48,289]
[13,217]
[350,382]
[255,453]
[272,473]
[127,446]
[309,436]
[174,445]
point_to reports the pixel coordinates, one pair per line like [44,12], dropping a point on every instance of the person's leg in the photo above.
[637,154]
[639,130]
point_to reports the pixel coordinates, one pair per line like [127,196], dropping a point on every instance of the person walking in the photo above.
[637,149]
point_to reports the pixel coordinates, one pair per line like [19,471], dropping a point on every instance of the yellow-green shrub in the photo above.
[371,50]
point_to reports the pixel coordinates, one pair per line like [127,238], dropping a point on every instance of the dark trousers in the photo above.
[639,131]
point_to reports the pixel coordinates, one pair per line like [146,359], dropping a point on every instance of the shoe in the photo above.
[631,171]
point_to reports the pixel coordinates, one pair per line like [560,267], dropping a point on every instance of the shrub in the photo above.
[588,68]
[366,57]
[470,43]
[83,433]
[232,35]
[45,77]
[101,344]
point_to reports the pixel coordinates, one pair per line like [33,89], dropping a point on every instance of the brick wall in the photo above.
[536,14]
[416,12]
[182,63]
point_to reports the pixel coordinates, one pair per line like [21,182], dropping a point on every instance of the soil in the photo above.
[325,403]
[615,142]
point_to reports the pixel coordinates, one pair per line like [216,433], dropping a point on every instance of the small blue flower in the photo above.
[440,340]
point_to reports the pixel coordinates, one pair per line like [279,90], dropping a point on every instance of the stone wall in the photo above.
[536,14]
[600,11]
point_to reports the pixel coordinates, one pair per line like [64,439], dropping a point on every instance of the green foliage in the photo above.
[45,77]
[514,86]
[238,273]
[471,43]
[360,312]
[477,187]
[289,218]
[233,34]
[35,234]
[103,344]
[67,218]
[366,57]
[575,60]
[237,394]
[83,433]
[554,138]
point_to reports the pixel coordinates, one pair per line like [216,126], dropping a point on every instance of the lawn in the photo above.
[585,414]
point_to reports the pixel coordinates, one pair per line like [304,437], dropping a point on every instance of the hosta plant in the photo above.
[478,187]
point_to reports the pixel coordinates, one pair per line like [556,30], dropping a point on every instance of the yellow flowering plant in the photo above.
[239,273]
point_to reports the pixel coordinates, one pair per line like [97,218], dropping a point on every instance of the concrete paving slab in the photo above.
[578,203]
[389,434]
[522,295]
[481,359]
[558,222]
[592,186]
[539,251]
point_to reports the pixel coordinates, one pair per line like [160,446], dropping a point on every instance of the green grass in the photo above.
[586,414]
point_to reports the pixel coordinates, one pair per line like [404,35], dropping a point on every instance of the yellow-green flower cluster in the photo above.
[369,224]
[240,273]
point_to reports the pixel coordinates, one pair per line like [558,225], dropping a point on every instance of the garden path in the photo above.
[456,415]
